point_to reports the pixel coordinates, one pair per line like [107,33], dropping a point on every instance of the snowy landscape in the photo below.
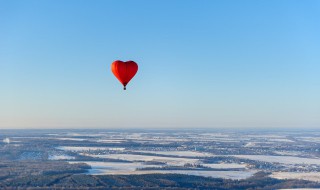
[228,155]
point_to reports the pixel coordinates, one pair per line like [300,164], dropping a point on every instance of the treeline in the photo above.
[151,181]
[11,170]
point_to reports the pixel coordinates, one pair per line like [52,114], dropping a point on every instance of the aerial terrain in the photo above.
[153,159]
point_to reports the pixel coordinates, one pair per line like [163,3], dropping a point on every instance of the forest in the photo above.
[149,181]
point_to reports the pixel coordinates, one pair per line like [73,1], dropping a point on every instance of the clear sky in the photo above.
[202,63]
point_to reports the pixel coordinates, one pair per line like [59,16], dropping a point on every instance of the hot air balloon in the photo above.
[124,71]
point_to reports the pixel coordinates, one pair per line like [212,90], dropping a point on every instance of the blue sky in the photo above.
[201,64]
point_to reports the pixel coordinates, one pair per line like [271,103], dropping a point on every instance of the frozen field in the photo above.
[215,174]
[61,157]
[281,159]
[180,153]
[70,139]
[103,167]
[86,148]
[144,158]
[114,168]
[226,166]
[111,140]
[312,176]
[310,139]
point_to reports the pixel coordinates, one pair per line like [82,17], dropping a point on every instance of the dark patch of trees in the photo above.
[150,181]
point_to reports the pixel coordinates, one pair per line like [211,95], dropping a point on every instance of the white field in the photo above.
[61,157]
[6,140]
[117,168]
[180,153]
[288,153]
[71,139]
[310,139]
[214,174]
[268,136]
[132,157]
[29,137]
[225,166]
[281,140]
[111,140]
[84,134]
[217,139]
[311,176]
[87,148]
[162,139]
[215,135]
[114,166]
[281,159]
[250,144]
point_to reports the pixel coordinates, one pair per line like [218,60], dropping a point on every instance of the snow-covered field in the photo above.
[180,153]
[250,144]
[118,168]
[281,159]
[310,139]
[61,157]
[228,140]
[111,140]
[102,167]
[214,135]
[87,148]
[214,174]
[70,139]
[143,158]
[226,166]
[288,153]
[281,140]
[311,176]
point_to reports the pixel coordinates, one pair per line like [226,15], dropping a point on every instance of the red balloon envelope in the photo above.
[124,71]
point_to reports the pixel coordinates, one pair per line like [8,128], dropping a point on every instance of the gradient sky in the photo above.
[201,64]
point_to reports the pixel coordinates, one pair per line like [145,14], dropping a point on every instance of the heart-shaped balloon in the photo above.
[124,71]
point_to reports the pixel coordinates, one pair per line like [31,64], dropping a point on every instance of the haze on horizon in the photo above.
[210,64]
